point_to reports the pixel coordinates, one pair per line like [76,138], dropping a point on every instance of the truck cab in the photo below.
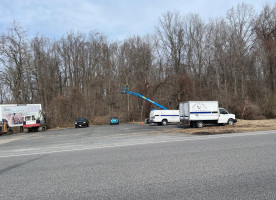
[225,117]
[29,119]
[31,123]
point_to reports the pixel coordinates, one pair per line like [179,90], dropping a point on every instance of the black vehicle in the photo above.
[81,122]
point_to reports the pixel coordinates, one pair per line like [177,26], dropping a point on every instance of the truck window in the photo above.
[223,111]
[27,118]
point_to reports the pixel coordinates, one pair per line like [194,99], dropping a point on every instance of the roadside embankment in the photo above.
[240,126]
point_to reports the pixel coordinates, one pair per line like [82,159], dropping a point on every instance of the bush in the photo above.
[100,120]
[245,109]
[270,106]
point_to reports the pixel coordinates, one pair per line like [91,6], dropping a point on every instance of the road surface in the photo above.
[131,161]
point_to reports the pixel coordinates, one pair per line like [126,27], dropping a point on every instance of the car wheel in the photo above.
[164,122]
[199,124]
[230,122]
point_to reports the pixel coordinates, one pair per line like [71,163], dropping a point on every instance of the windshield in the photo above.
[81,119]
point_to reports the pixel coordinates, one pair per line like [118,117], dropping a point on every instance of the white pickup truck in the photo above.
[198,113]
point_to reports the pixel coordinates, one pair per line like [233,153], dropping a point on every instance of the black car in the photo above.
[81,122]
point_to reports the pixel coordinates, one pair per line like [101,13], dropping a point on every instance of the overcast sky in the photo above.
[117,19]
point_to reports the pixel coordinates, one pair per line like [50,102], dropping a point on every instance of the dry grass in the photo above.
[240,126]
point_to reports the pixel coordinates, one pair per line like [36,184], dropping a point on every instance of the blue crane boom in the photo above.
[126,91]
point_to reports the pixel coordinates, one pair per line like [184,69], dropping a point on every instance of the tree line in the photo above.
[230,59]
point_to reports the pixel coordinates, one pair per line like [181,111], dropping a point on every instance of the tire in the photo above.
[230,122]
[9,131]
[164,122]
[26,130]
[199,124]
[76,126]
[147,121]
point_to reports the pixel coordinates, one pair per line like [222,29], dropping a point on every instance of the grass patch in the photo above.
[239,127]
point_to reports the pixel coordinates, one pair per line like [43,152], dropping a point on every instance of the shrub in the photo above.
[245,109]
[270,106]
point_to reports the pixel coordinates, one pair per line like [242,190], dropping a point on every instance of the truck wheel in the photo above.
[147,121]
[199,124]
[10,131]
[26,130]
[230,122]
[164,122]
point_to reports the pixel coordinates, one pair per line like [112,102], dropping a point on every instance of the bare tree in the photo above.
[14,56]
[266,31]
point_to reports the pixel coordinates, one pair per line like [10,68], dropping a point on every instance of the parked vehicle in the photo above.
[27,116]
[4,127]
[81,122]
[34,123]
[198,113]
[114,120]
[163,117]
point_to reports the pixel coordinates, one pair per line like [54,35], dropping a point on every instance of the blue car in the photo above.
[114,120]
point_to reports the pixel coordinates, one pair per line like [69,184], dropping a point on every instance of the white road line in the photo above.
[9,140]
[124,144]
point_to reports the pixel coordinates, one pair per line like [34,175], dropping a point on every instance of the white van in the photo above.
[162,117]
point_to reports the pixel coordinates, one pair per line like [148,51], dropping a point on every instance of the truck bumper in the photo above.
[31,125]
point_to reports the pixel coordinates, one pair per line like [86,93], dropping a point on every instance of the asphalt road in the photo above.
[131,161]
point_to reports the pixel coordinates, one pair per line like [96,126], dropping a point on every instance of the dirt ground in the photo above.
[240,126]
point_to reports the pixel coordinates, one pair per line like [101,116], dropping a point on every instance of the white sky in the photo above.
[117,19]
